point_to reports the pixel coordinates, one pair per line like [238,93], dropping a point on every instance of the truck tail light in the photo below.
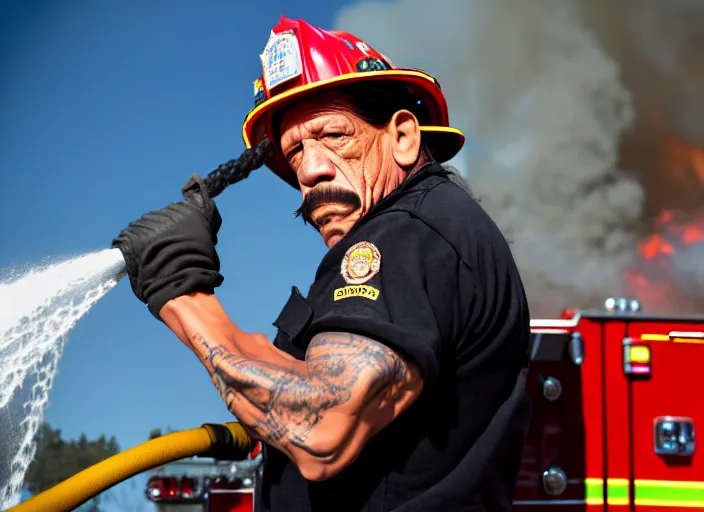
[160,488]
[172,489]
[188,488]
[636,358]
[155,488]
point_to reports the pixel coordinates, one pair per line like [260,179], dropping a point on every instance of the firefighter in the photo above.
[397,382]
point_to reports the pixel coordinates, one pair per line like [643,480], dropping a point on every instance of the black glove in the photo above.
[171,252]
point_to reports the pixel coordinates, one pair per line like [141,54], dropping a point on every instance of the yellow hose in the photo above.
[206,440]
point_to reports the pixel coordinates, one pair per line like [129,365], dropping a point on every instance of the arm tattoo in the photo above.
[288,404]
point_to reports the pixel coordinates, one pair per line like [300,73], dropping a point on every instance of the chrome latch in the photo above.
[552,388]
[576,348]
[554,481]
[674,435]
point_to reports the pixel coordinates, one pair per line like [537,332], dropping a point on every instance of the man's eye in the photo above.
[292,152]
[334,135]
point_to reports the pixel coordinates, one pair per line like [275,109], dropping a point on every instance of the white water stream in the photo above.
[37,309]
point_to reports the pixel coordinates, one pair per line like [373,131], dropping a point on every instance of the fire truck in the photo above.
[615,399]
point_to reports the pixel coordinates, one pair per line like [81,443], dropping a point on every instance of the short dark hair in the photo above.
[377,102]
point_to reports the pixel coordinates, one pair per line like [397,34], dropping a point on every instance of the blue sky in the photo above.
[107,108]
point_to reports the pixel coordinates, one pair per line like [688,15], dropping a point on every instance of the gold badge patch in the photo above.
[361,262]
[362,290]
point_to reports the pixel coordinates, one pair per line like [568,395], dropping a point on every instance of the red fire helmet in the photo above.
[300,59]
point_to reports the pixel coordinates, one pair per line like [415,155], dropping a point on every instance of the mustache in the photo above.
[326,195]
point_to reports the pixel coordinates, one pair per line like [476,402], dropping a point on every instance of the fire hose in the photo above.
[226,441]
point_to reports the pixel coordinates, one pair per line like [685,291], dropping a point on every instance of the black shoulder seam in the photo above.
[412,214]
[421,198]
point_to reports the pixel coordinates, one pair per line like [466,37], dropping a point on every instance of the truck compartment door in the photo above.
[664,366]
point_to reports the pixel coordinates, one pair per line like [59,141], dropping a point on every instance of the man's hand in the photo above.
[171,252]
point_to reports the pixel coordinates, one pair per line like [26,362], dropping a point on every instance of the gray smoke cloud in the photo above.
[660,41]
[689,270]
[544,110]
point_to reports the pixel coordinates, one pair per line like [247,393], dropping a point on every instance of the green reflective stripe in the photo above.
[652,491]
[655,492]
[617,490]
[594,488]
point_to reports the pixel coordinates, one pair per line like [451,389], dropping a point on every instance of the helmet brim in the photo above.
[442,142]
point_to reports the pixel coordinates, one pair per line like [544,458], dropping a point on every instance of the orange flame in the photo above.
[655,276]
[655,245]
[683,160]
[692,235]
[650,280]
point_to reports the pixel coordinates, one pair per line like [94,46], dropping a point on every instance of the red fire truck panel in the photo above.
[615,429]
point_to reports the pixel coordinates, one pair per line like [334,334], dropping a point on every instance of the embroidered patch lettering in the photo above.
[281,59]
[362,290]
[361,262]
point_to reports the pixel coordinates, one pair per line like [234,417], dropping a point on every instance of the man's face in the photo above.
[344,165]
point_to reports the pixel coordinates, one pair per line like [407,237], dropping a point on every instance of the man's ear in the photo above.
[406,136]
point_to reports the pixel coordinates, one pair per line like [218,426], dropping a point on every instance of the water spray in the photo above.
[39,308]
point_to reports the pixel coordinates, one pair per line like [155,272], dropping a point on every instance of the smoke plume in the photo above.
[554,121]
[658,48]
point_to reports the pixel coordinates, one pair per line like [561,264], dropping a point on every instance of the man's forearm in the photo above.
[281,405]
[245,368]
[276,396]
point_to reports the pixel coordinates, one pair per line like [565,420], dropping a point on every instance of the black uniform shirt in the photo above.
[427,273]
